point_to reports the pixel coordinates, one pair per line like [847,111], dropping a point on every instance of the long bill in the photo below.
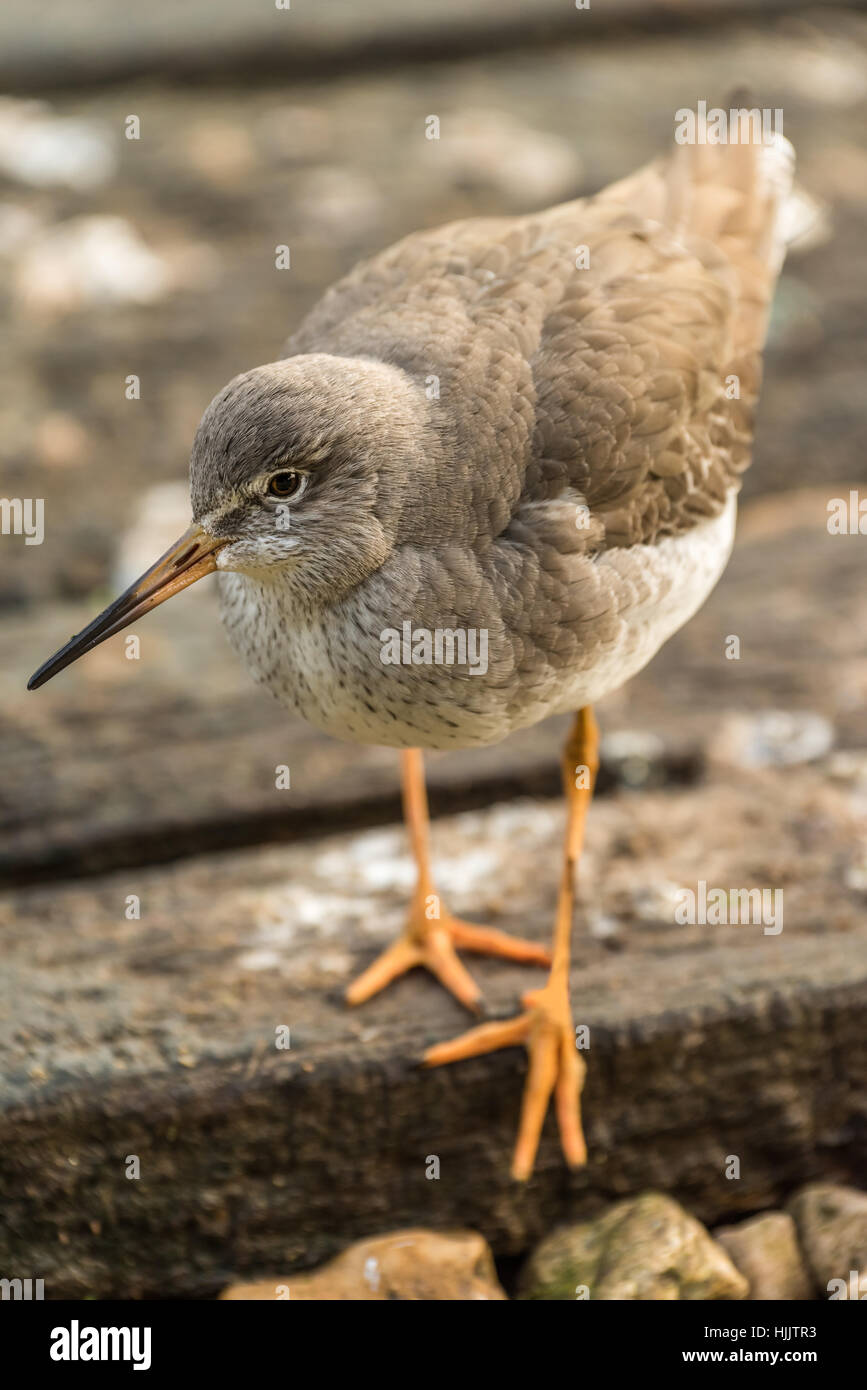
[189,559]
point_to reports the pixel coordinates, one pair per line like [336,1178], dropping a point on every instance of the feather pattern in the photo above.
[560,407]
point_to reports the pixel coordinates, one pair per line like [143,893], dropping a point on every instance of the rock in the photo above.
[45,150]
[162,513]
[832,1226]
[766,1252]
[296,134]
[417,1265]
[17,226]
[772,738]
[855,874]
[220,151]
[89,261]
[635,756]
[848,767]
[60,440]
[337,201]
[646,1248]
[481,147]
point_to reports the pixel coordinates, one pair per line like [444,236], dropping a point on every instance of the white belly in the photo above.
[323,668]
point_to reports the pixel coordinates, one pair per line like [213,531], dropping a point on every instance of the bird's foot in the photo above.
[434,944]
[556,1066]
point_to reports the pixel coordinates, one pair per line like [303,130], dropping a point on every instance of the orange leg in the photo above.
[432,935]
[546,1027]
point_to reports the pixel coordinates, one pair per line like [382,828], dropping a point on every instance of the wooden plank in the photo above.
[156,1038]
[79,44]
[127,762]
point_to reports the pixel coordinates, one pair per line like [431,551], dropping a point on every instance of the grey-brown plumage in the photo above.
[495,471]
[500,432]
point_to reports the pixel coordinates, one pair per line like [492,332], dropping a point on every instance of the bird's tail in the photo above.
[740,194]
[737,195]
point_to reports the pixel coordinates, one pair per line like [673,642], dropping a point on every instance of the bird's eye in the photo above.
[285,485]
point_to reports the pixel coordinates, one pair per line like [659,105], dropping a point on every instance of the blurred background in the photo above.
[306,127]
[153,258]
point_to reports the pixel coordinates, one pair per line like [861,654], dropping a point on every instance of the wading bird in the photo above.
[569,490]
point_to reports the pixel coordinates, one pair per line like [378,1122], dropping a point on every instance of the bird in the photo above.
[492,471]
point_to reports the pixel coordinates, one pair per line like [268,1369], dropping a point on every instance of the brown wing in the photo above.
[629,382]
[648,371]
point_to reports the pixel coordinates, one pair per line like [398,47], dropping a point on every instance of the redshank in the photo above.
[494,470]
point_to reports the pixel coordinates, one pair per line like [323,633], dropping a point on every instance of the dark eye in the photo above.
[285,485]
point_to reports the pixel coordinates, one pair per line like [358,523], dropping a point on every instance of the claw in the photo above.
[555,1067]
[488,1037]
[434,945]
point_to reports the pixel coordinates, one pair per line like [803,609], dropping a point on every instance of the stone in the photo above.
[336,201]
[61,441]
[772,738]
[87,261]
[414,1265]
[645,1248]
[832,1226]
[45,150]
[490,147]
[766,1251]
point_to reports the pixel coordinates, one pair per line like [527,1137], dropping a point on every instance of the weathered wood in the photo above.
[67,45]
[156,1038]
[128,762]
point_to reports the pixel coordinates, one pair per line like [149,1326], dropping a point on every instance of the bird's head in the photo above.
[299,472]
